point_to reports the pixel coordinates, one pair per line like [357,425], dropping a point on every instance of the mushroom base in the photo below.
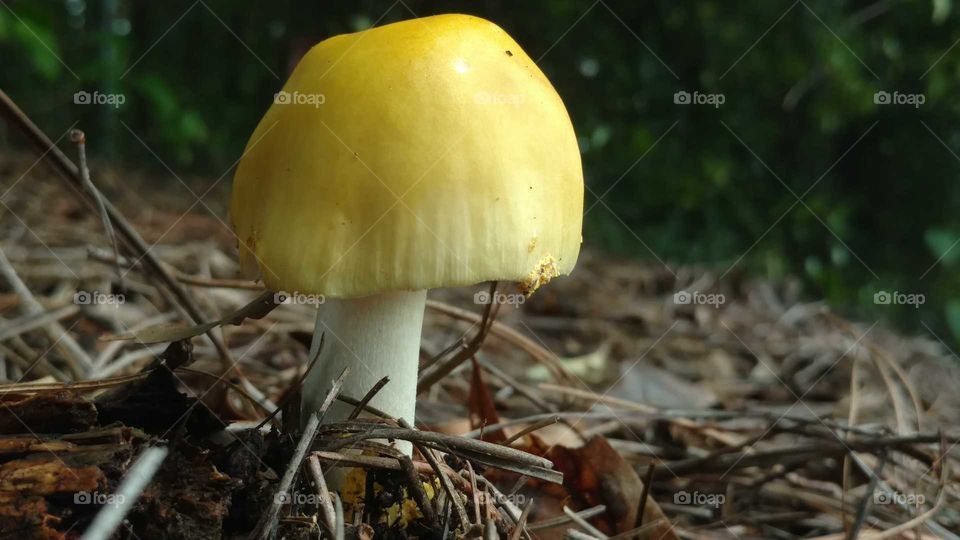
[376,336]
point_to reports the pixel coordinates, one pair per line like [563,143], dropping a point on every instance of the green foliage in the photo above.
[799,171]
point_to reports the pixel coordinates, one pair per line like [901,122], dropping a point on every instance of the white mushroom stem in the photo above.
[377,336]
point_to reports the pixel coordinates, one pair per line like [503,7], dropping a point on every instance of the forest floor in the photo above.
[628,400]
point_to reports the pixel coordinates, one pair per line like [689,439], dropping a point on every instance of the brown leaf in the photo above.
[483,411]
[596,474]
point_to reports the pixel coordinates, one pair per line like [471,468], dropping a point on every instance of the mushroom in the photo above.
[426,153]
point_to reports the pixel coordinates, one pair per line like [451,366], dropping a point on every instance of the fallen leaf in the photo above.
[594,474]
[483,411]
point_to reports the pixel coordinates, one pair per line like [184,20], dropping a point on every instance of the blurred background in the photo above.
[814,139]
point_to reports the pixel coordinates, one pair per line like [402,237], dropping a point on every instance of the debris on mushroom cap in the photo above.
[432,159]
[545,270]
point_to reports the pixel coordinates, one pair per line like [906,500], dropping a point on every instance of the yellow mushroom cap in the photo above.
[426,153]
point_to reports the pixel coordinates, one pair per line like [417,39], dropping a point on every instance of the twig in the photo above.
[137,478]
[531,428]
[80,139]
[269,519]
[522,522]
[438,371]
[865,502]
[135,244]
[299,384]
[416,488]
[637,533]
[81,386]
[561,520]
[583,523]
[489,529]
[365,431]
[511,336]
[574,534]
[534,418]
[55,330]
[33,321]
[338,459]
[476,494]
[114,347]
[810,451]
[645,493]
[339,533]
[445,481]
[520,388]
[367,397]
[236,388]
[509,510]
[326,504]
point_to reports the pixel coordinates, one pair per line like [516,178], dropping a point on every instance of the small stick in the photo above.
[522,522]
[114,347]
[367,397]
[444,480]
[574,534]
[78,137]
[32,321]
[530,429]
[337,459]
[269,519]
[447,520]
[861,514]
[583,523]
[441,369]
[427,453]
[508,334]
[326,504]
[494,455]
[55,330]
[648,479]
[636,533]
[79,387]
[418,493]
[234,386]
[299,384]
[519,387]
[339,533]
[452,441]
[139,475]
[579,415]
[476,494]
[138,248]
[560,520]
[510,510]
[460,343]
